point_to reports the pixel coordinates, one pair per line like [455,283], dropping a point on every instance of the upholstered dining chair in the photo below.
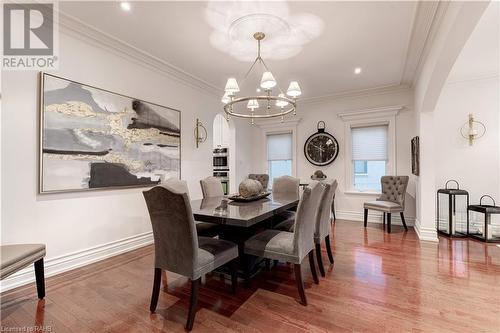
[292,246]
[263,178]
[285,185]
[202,228]
[211,187]
[322,224]
[177,247]
[391,201]
[15,257]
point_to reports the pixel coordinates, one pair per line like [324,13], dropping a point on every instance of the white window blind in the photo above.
[369,143]
[279,146]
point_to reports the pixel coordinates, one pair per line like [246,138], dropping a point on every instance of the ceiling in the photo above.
[375,36]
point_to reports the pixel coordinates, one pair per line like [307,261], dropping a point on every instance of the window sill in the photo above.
[371,193]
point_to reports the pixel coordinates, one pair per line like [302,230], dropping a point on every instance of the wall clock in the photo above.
[321,148]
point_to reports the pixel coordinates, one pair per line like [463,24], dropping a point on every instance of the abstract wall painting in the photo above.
[415,156]
[91,138]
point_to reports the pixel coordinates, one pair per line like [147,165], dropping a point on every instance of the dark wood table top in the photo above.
[221,210]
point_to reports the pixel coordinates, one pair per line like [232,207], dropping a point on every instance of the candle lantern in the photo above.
[452,217]
[484,221]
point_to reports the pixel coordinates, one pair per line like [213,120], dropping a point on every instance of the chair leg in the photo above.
[268,264]
[156,290]
[40,278]
[329,249]
[389,223]
[234,275]
[403,220]
[366,217]
[319,260]
[300,284]
[313,267]
[383,220]
[195,286]
[333,209]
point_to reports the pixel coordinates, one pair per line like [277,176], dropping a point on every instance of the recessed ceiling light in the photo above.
[357,70]
[257,90]
[125,6]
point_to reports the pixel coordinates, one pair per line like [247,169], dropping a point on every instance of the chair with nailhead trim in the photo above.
[391,201]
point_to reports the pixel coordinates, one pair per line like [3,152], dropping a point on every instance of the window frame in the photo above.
[365,118]
[273,126]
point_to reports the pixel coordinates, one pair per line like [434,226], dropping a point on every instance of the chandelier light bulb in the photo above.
[294,89]
[281,103]
[253,104]
[268,81]
[225,99]
[231,86]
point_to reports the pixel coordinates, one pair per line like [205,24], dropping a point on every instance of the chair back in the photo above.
[263,178]
[394,189]
[211,187]
[305,218]
[286,185]
[174,230]
[176,185]
[323,225]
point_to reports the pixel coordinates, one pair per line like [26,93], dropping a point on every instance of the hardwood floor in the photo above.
[380,283]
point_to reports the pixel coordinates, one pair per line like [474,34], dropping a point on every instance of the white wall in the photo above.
[475,167]
[455,23]
[71,223]
[350,206]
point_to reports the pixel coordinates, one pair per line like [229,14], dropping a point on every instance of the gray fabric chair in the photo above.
[292,246]
[391,201]
[18,256]
[178,248]
[323,224]
[202,228]
[285,185]
[211,187]
[263,178]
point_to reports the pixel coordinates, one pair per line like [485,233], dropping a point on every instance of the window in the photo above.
[279,155]
[369,156]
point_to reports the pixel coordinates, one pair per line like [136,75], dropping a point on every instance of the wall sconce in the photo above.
[472,129]
[200,133]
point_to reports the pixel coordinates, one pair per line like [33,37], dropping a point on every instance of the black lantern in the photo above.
[452,217]
[484,221]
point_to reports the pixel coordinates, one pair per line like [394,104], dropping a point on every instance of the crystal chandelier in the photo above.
[275,105]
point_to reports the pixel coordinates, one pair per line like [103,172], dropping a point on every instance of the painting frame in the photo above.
[415,156]
[41,121]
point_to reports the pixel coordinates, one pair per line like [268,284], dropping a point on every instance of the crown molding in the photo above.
[376,91]
[77,28]
[427,22]
[386,111]
[424,17]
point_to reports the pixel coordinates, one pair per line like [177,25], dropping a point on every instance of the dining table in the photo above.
[241,220]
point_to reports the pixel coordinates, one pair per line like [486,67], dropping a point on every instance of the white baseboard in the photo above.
[426,234]
[373,217]
[64,263]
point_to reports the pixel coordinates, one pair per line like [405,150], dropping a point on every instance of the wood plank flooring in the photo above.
[380,283]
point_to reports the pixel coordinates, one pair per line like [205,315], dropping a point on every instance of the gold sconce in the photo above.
[200,133]
[472,130]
